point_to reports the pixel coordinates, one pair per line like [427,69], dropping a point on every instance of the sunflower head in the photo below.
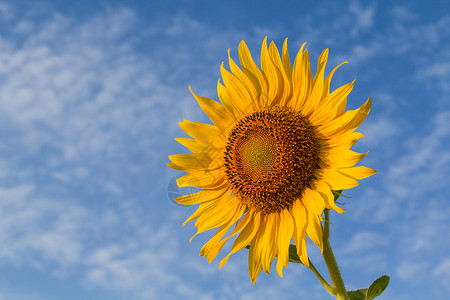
[279,146]
[270,158]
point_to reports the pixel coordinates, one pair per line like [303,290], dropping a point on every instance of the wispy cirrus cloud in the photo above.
[81,112]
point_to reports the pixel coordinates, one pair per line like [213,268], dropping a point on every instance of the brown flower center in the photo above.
[270,158]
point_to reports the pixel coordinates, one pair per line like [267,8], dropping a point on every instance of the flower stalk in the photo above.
[338,284]
[325,284]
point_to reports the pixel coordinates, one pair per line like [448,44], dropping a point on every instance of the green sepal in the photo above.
[293,257]
[336,194]
[374,290]
[358,294]
[377,287]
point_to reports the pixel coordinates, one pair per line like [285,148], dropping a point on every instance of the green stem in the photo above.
[335,274]
[325,284]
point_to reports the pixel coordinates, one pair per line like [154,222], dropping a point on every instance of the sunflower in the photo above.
[266,169]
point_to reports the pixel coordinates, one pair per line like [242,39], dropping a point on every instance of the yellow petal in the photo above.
[346,140]
[195,161]
[206,133]
[202,179]
[284,86]
[327,109]
[327,83]
[263,249]
[204,207]
[252,71]
[325,191]
[313,201]
[301,79]
[205,251]
[202,196]
[340,157]
[300,216]
[285,232]
[317,88]
[213,246]
[241,99]
[271,73]
[250,227]
[348,122]
[254,255]
[269,247]
[297,79]
[359,172]
[238,228]
[196,145]
[219,214]
[314,230]
[245,80]
[336,180]
[227,100]
[287,63]
[218,114]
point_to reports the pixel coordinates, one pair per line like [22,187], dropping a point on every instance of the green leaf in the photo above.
[293,257]
[374,290]
[358,294]
[377,287]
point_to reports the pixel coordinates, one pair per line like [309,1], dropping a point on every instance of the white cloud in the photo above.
[7,12]
[364,16]
[403,14]
[363,241]
[78,103]
[37,230]
[442,272]
[77,99]
[419,170]
[410,203]
[61,237]
[411,270]
[437,72]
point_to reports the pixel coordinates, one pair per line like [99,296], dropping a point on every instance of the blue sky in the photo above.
[91,94]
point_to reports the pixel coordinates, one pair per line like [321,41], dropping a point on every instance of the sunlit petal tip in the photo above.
[305,261]
[264,44]
[192,92]
[285,55]
[223,262]
[190,240]
[285,49]
[280,269]
[302,47]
